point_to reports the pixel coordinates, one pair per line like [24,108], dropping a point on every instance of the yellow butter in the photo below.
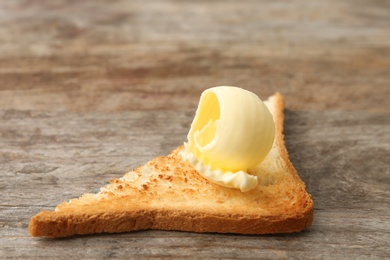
[232,132]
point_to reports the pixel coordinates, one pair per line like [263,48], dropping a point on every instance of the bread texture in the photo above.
[169,194]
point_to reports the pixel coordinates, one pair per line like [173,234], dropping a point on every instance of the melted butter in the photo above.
[232,132]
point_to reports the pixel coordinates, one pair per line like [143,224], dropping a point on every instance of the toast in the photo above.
[169,194]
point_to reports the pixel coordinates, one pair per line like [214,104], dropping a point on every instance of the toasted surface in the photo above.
[167,193]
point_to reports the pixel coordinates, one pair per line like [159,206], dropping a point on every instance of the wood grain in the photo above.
[55,156]
[126,55]
[91,89]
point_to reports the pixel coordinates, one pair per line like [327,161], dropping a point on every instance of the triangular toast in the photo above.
[167,193]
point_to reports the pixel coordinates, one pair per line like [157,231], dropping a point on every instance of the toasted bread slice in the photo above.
[168,193]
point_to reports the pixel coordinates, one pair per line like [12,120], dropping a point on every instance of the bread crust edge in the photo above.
[52,224]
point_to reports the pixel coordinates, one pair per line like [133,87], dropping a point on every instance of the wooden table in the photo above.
[92,89]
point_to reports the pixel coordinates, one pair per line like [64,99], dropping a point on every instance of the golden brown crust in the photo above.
[176,197]
[51,224]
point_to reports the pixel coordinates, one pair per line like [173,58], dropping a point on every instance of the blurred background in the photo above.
[90,89]
[127,55]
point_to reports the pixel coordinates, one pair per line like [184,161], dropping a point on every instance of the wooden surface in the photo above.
[91,89]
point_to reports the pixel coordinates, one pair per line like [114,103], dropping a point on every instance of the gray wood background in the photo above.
[91,89]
